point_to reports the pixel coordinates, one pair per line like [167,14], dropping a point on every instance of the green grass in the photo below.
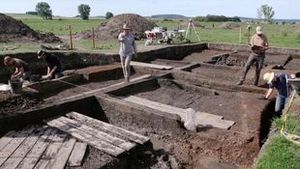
[280,154]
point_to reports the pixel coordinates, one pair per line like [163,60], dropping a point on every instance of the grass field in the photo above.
[278,35]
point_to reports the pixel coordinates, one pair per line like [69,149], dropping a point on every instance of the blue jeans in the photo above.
[280,103]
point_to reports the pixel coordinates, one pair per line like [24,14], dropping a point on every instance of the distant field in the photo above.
[278,35]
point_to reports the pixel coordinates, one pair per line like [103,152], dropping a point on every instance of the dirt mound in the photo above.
[111,28]
[15,30]
[229,25]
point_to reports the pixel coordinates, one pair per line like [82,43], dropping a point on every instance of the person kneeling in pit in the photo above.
[54,68]
[22,71]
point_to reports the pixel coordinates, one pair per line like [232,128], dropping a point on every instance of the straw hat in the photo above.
[259,30]
[269,76]
[125,27]
[7,60]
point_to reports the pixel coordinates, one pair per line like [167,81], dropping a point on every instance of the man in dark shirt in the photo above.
[280,83]
[54,68]
[21,68]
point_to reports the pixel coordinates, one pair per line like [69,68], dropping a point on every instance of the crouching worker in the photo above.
[22,71]
[54,68]
[279,81]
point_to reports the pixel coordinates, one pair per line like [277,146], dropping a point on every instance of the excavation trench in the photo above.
[204,87]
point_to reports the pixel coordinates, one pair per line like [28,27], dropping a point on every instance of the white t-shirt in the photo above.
[127,44]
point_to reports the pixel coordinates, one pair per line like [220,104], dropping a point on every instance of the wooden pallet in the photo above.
[202,118]
[36,147]
[103,136]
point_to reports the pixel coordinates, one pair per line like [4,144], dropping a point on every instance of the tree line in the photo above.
[43,10]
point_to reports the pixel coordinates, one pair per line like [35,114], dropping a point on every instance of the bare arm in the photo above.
[269,93]
[48,70]
[52,71]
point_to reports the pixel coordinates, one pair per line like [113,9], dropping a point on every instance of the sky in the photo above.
[284,9]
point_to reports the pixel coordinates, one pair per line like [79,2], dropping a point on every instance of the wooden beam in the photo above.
[154,66]
[77,154]
[108,128]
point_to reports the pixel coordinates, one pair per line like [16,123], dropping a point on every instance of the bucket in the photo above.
[15,86]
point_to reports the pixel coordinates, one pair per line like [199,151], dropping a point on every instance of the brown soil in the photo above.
[15,30]
[238,146]
[12,103]
[203,56]
[229,25]
[110,29]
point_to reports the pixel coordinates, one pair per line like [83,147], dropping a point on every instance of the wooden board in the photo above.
[154,66]
[202,118]
[63,155]
[99,134]
[77,154]
[8,150]
[108,128]
[19,154]
[6,139]
[36,152]
[85,137]
[108,87]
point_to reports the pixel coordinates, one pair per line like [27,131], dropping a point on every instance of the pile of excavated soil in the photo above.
[229,25]
[110,29]
[15,30]
[10,103]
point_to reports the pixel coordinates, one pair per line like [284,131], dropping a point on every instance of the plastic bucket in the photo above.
[15,86]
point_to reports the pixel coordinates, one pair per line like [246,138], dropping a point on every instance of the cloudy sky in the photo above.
[284,9]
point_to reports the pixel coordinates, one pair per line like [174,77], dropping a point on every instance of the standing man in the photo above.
[54,68]
[259,44]
[279,81]
[21,68]
[127,49]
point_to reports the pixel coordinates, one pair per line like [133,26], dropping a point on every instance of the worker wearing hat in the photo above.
[259,44]
[279,81]
[54,68]
[21,68]
[127,50]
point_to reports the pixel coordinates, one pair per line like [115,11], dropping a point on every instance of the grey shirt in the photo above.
[127,44]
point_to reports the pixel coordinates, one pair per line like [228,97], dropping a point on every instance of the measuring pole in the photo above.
[71,41]
[94,43]
[240,38]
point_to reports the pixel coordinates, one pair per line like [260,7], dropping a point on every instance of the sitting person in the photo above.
[22,71]
[54,68]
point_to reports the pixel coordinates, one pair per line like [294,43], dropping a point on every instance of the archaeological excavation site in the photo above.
[90,118]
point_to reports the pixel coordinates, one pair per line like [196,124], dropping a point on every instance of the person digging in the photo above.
[278,81]
[259,44]
[54,68]
[127,50]
[22,71]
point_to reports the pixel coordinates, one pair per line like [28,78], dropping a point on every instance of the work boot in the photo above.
[240,82]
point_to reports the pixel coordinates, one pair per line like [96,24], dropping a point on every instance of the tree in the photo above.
[267,12]
[109,15]
[84,11]
[43,10]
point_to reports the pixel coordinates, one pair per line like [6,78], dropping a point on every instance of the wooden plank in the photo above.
[108,87]
[165,107]
[6,139]
[36,152]
[77,154]
[154,66]
[63,155]
[108,128]
[51,152]
[98,134]
[19,154]
[85,137]
[6,152]
[202,118]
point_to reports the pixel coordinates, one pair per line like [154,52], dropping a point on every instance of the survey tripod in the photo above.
[190,28]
